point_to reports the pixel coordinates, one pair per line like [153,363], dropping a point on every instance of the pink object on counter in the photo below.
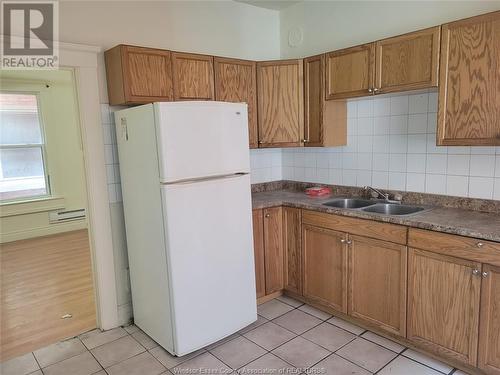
[317,191]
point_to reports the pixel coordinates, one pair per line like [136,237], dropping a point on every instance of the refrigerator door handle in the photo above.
[203,179]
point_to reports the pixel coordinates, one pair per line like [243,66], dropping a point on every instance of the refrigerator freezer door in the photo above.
[210,258]
[200,139]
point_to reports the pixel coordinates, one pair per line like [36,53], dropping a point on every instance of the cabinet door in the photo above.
[236,81]
[377,283]
[258,248]
[324,254]
[443,304]
[280,103]
[408,62]
[350,72]
[138,75]
[489,334]
[273,248]
[469,89]
[292,249]
[193,76]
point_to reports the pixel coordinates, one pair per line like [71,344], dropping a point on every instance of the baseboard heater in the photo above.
[62,216]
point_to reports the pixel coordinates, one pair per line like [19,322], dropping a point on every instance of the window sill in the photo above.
[31,206]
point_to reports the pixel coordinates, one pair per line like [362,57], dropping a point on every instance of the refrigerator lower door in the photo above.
[200,139]
[210,259]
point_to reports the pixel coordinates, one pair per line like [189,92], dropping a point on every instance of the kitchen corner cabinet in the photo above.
[407,62]
[280,100]
[258,248]
[469,88]
[324,254]
[325,122]
[377,283]
[137,75]
[443,304]
[350,72]
[292,219]
[236,81]
[489,333]
[193,76]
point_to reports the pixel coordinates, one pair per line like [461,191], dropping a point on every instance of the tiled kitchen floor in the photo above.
[287,336]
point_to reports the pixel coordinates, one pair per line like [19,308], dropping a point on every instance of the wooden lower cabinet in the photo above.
[443,304]
[258,248]
[273,249]
[291,249]
[324,254]
[489,333]
[377,283]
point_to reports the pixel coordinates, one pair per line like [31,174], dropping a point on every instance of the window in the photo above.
[22,150]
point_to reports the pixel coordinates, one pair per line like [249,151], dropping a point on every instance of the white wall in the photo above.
[223,28]
[331,25]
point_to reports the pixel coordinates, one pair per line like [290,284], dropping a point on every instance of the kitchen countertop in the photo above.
[458,221]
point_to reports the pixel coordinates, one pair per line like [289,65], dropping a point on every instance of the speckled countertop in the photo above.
[482,225]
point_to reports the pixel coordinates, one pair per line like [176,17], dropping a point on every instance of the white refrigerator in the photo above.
[184,170]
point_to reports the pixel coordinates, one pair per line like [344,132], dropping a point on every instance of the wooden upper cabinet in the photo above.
[273,249]
[469,82]
[280,103]
[350,72]
[377,283]
[443,304]
[325,122]
[489,334]
[193,76]
[258,248]
[236,81]
[324,255]
[408,62]
[138,75]
[292,249]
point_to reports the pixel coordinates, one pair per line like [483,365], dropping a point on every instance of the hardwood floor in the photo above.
[43,279]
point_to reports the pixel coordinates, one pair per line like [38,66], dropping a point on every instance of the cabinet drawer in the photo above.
[368,228]
[458,246]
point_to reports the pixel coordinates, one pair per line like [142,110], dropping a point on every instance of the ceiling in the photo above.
[270,4]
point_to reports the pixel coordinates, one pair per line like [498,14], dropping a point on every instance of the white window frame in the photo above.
[42,146]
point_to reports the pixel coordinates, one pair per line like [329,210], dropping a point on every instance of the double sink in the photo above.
[374,206]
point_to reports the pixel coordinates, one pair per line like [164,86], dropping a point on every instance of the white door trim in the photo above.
[82,59]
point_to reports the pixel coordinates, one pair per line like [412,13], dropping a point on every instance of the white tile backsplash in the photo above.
[391,145]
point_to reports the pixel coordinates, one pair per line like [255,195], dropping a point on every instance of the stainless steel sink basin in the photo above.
[350,203]
[393,209]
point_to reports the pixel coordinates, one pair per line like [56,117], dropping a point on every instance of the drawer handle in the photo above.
[267,215]
[485,274]
[66,316]
[475,272]
[346,241]
[479,244]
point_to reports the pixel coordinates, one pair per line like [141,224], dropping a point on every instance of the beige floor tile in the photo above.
[336,365]
[144,340]
[39,372]
[97,337]
[269,335]
[170,361]
[142,364]
[460,372]
[59,351]
[273,309]
[297,321]
[203,364]
[131,328]
[21,365]
[301,353]
[386,343]
[82,364]
[117,351]
[238,352]
[405,366]
[290,301]
[260,320]
[267,364]
[223,341]
[315,312]
[329,336]
[102,372]
[366,354]
[346,325]
[428,361]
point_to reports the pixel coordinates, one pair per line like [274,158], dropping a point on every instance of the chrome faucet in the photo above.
[384,196]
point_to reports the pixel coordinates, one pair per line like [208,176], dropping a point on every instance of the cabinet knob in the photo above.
[349,242]
[343,241]
[267,215]
[475,272]
[485,274]
[479,244]
[375,90]
[370,90]
[260,142]
[305,140]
